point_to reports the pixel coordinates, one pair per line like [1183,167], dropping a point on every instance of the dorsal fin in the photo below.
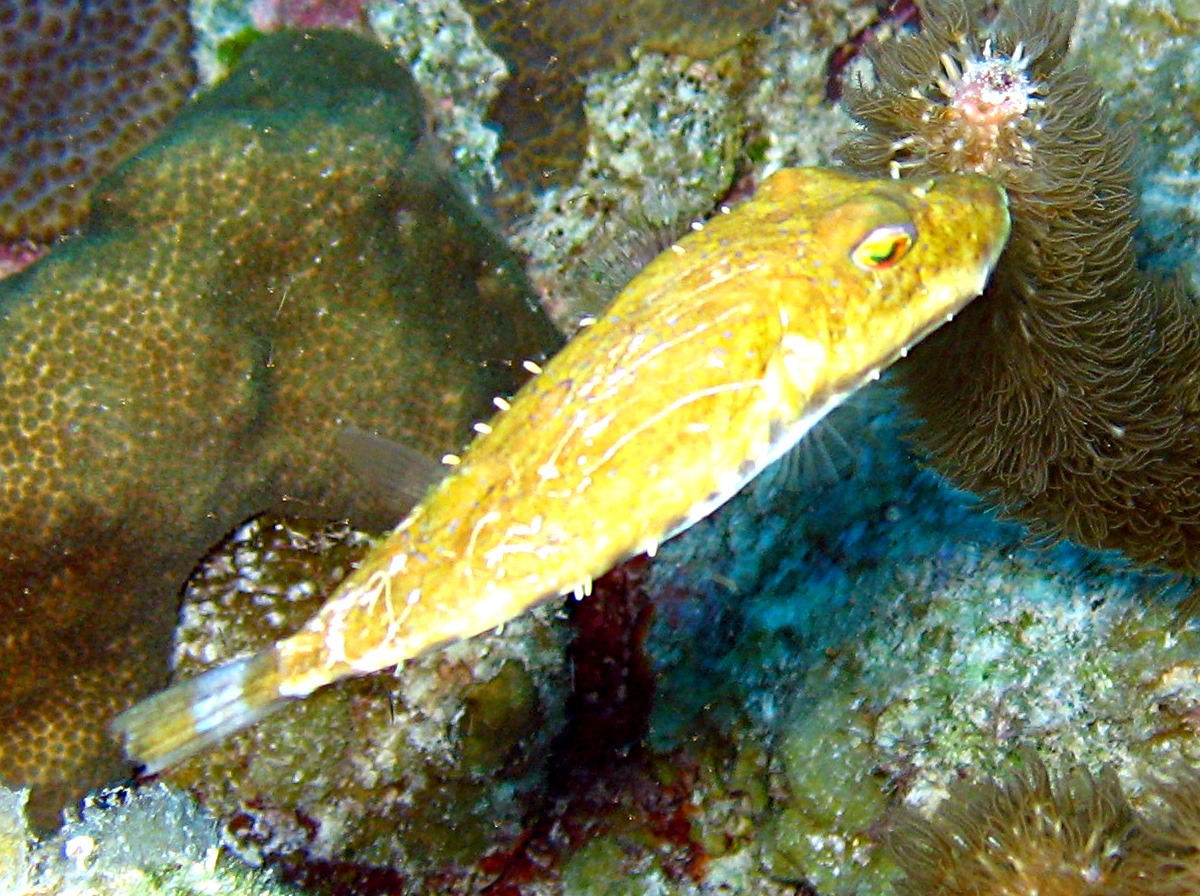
[396,475]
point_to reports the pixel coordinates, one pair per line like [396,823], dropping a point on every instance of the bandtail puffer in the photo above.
[714,361]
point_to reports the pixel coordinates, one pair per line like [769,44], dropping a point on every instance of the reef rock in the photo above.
[283,263]
[124,842]
[416,771]
[549,45]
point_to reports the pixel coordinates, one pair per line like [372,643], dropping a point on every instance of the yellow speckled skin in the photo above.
[711,363]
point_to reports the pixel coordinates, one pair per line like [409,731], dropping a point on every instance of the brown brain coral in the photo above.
[82,87]
[283,262]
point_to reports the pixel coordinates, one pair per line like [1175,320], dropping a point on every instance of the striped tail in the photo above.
[172,726]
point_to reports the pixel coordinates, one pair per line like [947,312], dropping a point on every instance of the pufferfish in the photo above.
[714,361]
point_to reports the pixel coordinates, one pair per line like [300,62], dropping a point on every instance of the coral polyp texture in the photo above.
[1071,834]
[1026,834]
[284,262]
[82,87]
[1068,392]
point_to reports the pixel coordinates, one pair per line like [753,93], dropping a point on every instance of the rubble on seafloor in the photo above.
[153,841]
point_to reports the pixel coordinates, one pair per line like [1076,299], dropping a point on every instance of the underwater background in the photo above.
[776,703]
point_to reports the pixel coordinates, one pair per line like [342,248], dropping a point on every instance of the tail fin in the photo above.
[171,726]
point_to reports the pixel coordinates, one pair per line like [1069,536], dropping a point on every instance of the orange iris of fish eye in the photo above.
[883,246]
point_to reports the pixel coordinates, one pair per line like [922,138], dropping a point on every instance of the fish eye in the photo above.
[883,246]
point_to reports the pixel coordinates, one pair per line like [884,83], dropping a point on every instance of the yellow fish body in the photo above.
[709,365]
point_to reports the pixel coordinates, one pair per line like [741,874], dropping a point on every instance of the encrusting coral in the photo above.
[283,262]
[1070,392]
[82,87]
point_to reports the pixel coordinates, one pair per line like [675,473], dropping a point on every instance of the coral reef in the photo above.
[416,771]
[1067,394]
[188,360]
[878,637]
[82,87]
[150,842]
[764,763]
[1014,647]
[548,44]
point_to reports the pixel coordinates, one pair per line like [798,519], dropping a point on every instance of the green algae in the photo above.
[217,22]
[229,52]
[590,872]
